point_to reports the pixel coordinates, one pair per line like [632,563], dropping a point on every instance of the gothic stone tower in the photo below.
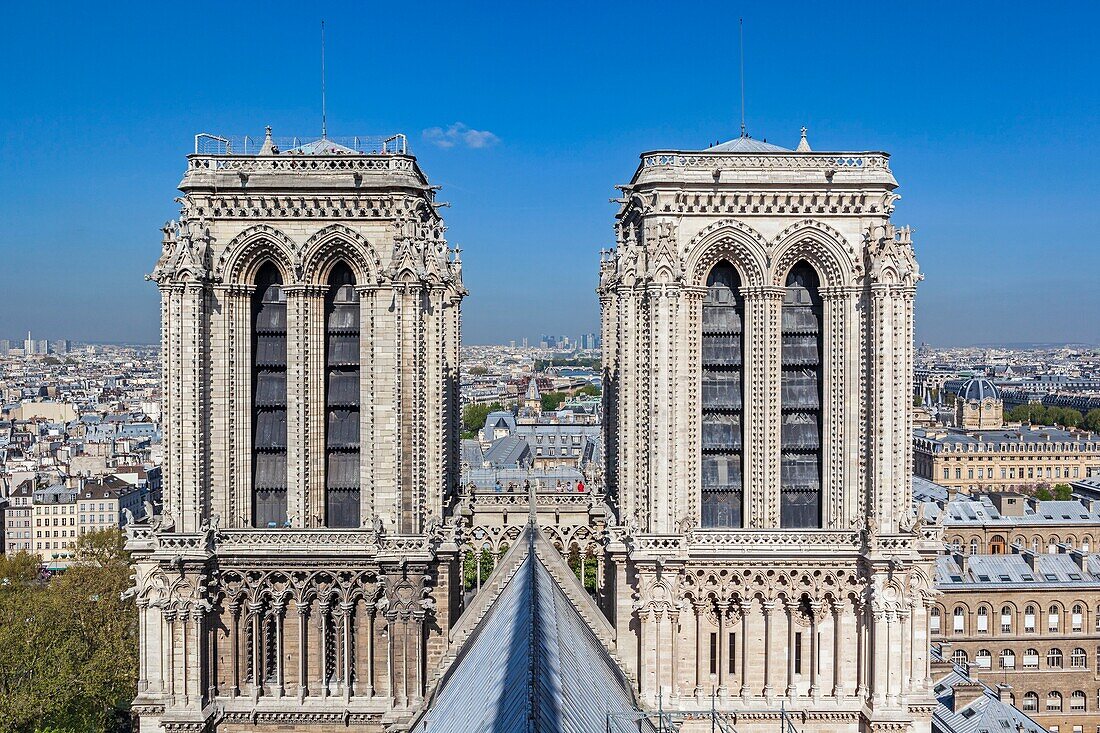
[310,339]
[758,340]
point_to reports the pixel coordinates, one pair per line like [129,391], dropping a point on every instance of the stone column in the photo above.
[723,648]
[369,691]
[674,628]
[862,663]
[143,642]
[346,609]
[326,617]
[255,615]
[792,610]
[302,607]
[170,681]
[767,607]
[277,609]
[762,375]
[840,459]
[838,609]
[815,693]
[745,604]
[700,610]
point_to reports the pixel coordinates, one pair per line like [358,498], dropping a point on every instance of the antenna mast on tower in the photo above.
[324,125]
[741,33]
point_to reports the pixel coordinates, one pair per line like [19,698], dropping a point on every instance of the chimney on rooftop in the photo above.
[961,560]
[966,693]
[1004,692]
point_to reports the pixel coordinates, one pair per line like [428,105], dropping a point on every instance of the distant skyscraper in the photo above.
[5,347]
[61,346]
[41,347]
[525,342]
[28,345]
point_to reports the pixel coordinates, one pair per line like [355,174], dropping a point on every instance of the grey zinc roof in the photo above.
[471,453]
[531,664]
[990,571]
[746,144]
[980,510]
[925,490]
[1033,434]
[507,452]
[978,389]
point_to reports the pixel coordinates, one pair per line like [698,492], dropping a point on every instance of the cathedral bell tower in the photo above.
[757,316]
[310,339]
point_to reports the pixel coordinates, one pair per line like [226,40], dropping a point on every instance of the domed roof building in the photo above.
[979,389]
[978,405]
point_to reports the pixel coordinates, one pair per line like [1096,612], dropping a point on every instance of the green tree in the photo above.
[1063,492]
[589,389]
[552,400]
[1092,420]
[68,645]
[478,371]
[473,417]
[1043,494]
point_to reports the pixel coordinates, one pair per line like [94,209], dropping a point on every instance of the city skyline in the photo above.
[991,147]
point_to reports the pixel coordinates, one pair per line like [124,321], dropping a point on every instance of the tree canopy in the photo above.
[68,644]
[1068,417]
[473,417]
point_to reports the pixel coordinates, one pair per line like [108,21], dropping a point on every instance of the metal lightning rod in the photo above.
[324,122]
[741,33]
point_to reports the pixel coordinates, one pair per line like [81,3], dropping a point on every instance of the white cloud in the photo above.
[460,134]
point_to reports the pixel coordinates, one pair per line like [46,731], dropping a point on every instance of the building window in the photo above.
[722,383]
[1054,658]
[957,620]
[342,399]
[959,657]
[1053,616]
[1031,702]
[1031,659]
[269,435]
[1008,659]
[714,653]
[983,659]
[1054,702]
[800,433]
[798,653]
[983,620]
[1006,619]
[973,547]
[733,653]
[1077,618]
[1078,659]
[934,621]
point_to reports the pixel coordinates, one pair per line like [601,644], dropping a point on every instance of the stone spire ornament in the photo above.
[803,144]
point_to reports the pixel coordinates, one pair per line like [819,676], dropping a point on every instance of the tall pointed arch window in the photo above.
[269,477]
[722,338]
[342,399]
[800,433]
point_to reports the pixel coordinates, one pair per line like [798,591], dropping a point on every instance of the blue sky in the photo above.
[991,116]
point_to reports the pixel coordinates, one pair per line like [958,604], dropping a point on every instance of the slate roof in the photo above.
[531,662]
[984,714]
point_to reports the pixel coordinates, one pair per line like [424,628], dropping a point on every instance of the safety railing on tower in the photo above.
[208,144]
